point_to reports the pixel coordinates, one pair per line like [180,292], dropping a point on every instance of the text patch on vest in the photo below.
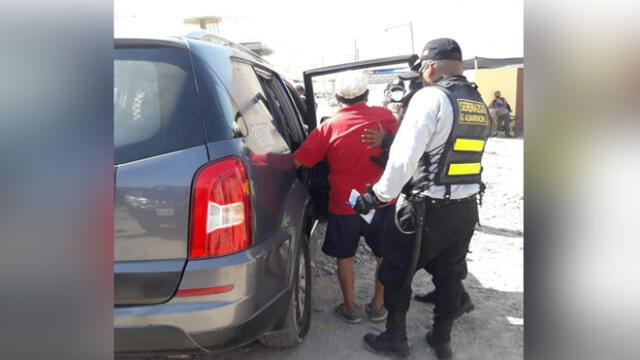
[472,112]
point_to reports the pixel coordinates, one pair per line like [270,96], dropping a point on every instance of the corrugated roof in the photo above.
[491,63]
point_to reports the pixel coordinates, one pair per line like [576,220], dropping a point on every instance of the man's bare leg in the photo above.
[346,277]
[378,294]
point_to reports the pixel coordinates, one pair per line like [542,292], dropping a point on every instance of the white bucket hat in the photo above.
[351,84]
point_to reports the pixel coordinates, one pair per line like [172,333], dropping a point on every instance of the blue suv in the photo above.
[212,220]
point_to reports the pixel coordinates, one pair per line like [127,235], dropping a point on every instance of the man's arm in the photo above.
[410,143]
[312,150]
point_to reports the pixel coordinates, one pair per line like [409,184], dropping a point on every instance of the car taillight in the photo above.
[220,210]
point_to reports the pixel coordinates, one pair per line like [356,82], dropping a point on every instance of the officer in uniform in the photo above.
[435,161]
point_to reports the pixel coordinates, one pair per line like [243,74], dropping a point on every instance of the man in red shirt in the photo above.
[339,139]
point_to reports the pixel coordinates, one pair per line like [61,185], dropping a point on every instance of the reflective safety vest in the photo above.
[458,161]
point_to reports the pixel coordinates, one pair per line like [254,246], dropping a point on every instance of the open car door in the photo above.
[318,175]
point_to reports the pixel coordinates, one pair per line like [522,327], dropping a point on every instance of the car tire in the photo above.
[299,311]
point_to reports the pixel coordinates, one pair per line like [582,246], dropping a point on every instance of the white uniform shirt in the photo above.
[426,126]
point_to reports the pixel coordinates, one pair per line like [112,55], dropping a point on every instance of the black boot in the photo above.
[386,344]
[442,349]
[392,342]
[439,338]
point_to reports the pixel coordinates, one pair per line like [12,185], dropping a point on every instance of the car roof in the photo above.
[230,48]
[141,42]
[237,50]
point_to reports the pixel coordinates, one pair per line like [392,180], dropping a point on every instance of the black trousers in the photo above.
[446,236]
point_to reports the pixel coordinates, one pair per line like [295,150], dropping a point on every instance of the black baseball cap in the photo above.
[441,49]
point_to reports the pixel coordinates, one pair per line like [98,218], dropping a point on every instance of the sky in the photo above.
[310,34]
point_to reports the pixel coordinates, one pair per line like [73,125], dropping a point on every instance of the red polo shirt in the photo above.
[339,139]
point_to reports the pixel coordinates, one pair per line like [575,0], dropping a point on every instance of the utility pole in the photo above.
[356,52]
[413,48]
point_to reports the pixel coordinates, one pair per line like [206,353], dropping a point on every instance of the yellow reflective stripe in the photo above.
[464,169]
[468,145]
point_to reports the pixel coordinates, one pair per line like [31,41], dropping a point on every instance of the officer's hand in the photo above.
[366,202]
[382,159]
[373,137]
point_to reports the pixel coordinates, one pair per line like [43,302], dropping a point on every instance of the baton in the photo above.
[417,202]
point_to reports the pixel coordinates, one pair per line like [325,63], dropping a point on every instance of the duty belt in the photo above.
[438,202]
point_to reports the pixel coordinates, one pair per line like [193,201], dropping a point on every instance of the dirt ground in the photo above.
[495,283]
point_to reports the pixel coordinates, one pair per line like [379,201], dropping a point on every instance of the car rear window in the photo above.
[155,104]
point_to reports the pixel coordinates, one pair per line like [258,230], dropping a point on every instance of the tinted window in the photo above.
[263,133]
[294,116]
[300,105]
[287,118]
[155,107]
[276,108]
[219,111]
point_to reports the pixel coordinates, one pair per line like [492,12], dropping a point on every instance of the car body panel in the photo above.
[259,278]
[152,205]
[262,276]
[152,223]
[145,282]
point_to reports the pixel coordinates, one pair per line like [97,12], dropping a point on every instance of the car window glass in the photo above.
[293,121]
[297,100]
[228,109]
[219,112]
[276,108]
[263,135]
[155,108]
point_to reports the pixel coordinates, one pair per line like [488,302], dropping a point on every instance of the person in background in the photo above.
[415,84]
[377,137]
[501,108]
[393,95]
[300,90]
[338,140]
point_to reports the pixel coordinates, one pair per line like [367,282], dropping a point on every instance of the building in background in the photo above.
[258,47]
[505,75]
[209,23]
[510,82]
[212,24]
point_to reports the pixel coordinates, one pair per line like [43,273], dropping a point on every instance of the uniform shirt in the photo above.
[340,140]
[425,126]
